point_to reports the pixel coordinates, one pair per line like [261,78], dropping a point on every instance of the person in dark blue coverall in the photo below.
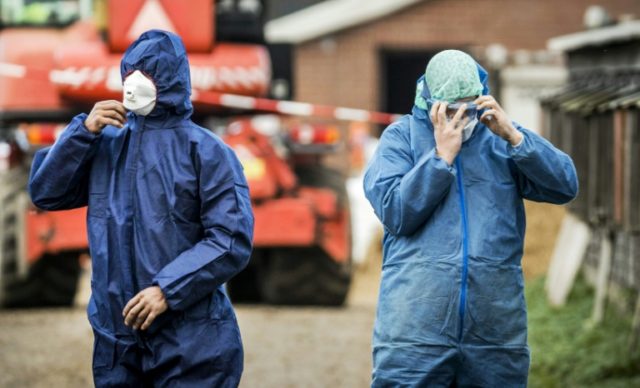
[448,185]
[169,222]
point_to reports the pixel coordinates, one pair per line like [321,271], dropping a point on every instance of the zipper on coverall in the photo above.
[465,245]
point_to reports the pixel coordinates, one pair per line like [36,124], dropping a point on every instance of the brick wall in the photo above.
[343,69]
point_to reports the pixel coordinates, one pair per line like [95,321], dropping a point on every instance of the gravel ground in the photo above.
[45,348]
[284,347]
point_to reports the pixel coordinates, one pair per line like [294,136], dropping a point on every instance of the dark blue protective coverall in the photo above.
[168,206]
[451,306]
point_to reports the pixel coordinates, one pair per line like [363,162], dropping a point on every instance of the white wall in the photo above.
[522,88]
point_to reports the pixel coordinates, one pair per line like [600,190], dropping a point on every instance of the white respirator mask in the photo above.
[139,94]
[467,131]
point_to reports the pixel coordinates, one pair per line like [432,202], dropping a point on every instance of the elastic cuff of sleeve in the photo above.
[519,143]
[82,129]
[442,162]
[173,304]
[515,150]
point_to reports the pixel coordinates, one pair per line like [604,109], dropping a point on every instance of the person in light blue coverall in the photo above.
[451,308]
[169,222]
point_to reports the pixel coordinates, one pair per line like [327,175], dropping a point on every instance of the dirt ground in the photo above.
[284,347]
[543,225]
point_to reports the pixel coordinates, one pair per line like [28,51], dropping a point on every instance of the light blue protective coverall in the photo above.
[451,307]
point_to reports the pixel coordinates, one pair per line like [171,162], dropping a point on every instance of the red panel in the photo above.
[249,147]
[261,183]
[35,49]
[120,17]
[284,222]
[266,172]
[95,73]
[193,22]
[88,73]
[232,68]
[335,238]
[324,201]
[55,231]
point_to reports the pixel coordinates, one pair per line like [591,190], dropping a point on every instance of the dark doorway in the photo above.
[400,69]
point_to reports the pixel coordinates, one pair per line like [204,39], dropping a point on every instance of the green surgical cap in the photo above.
[452,75]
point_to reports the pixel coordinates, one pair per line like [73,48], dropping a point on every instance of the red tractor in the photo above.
[53,65]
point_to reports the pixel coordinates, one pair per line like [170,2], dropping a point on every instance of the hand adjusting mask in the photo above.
[471,112]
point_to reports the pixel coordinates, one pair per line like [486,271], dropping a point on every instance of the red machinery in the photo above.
[302,246]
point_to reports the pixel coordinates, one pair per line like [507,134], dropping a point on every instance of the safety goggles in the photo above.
[452,108]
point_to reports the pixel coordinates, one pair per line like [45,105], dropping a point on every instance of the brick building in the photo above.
[368,54]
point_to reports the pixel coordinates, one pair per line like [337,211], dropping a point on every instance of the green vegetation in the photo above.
[567,351]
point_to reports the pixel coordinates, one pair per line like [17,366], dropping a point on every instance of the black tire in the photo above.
[308,276]
[244,287]
[52,281]
[305,276]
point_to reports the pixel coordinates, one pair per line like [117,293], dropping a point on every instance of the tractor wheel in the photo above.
[52,281]
[304,276]
[244,287]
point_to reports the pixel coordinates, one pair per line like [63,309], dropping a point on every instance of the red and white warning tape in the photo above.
[219,99]
[293,108]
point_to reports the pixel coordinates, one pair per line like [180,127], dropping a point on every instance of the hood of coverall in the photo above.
[161,56]
[423,93]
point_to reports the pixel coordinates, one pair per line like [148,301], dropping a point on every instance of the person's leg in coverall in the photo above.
[169,222]
[449,188]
